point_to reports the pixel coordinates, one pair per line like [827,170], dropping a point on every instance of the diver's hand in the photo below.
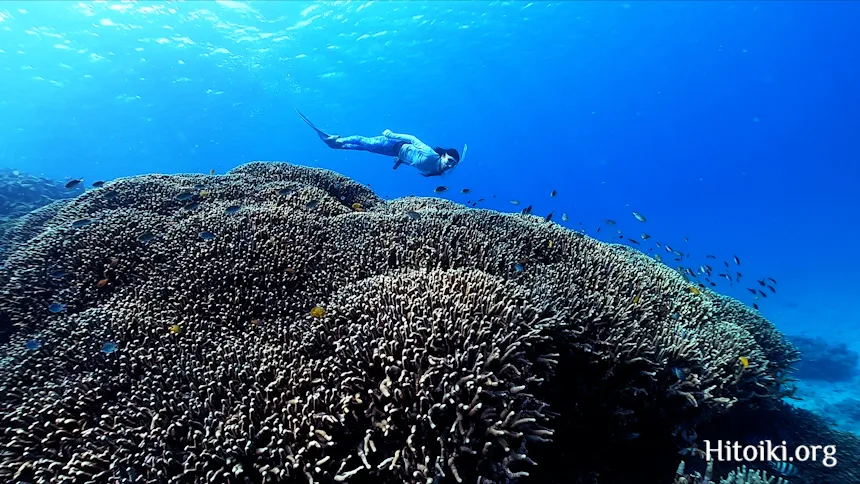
[386,133]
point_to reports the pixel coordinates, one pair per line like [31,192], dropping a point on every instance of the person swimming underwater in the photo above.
[405,148]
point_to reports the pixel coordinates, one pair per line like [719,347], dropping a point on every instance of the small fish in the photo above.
[98,184]
[285,191]
[675,316]
[645,236]
[657,256]
[691,272]
[204,193]
[771,279]
[465,191]
[441,189]
[527,210]
[212,171]
[312,204]
[175,329]
[784,468]
[111,194]
[755,306]
[679,373]
[639,216]
[609,222]
[256,322]
[686,239]
[772,289]
[413,215]
[185,196]
[737,260]
[636,299]
[108,347]
[482,199]
[761,283]
[33,344]
[695,290]
[102,283]
[744,361]
[763,294]
[56,307]
[753,291]
[190,206]
[553,193]
[317,312]
[565,219]
[232,209]
[198,186]
[515,202]
[206,235]
[73,183]
[710,256]
[58,274]
[550,244]
[81,223]
[518,267]
[633,241]
[548,218]
[146,237]
[114,261]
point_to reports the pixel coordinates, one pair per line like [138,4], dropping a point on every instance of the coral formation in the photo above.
[21,193]
[741,475]
[824,361]
[431,359]
[796,427]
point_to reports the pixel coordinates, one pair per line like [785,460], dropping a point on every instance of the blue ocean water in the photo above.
[731,124]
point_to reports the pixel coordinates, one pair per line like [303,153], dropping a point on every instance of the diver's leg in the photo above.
[380,145]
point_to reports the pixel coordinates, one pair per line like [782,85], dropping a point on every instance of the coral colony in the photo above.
[278,333]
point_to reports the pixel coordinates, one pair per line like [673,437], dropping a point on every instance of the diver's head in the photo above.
[449,157]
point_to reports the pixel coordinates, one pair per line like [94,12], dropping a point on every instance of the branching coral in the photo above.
[434,358]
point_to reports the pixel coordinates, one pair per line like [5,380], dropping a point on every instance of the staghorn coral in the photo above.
[740,475]
[743,475]
[434,360]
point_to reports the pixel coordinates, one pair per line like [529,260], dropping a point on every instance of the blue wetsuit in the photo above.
[405,148]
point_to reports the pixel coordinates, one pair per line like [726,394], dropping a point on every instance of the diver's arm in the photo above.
[401,137]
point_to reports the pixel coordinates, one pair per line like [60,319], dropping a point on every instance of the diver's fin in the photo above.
[397,162]
[322,134]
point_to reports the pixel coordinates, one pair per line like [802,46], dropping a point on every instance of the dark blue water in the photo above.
[733,124]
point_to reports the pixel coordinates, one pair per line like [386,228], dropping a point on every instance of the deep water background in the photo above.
[734,124]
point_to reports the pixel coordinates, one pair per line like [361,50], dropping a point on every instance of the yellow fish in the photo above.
[636,300]
[695,290]
[550,244]
[357,207]
[175,329]
[317,312]
[204,193]
[744,361]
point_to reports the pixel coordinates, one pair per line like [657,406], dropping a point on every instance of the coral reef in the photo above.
[824,361]
[284,324]
[796,427]
[741,475]
[21,193]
